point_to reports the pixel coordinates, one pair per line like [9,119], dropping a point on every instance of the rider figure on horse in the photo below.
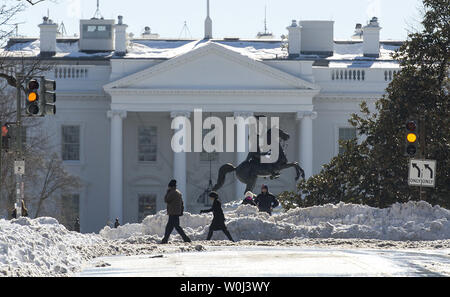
[254,158]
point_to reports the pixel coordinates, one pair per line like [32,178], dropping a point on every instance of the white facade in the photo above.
[113,98]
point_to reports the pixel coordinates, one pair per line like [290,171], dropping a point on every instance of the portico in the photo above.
[161,89]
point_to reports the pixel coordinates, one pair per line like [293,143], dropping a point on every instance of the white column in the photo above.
[116,165]
[305,127]
[180,162]
[242,133]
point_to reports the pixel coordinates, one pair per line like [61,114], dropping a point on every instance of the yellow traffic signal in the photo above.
[412,129]
[32,96]
[32,103]
[411,137]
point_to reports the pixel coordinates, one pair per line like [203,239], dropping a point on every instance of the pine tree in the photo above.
[375,171]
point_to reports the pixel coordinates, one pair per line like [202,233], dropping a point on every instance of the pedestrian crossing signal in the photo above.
[5,137]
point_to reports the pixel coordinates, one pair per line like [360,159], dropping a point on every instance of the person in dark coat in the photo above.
[248,200]
[218,222]
[175,208]
[24,211]
[266,201]
[76,226]
[116,223]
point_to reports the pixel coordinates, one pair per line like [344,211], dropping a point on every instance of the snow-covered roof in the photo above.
[346,54]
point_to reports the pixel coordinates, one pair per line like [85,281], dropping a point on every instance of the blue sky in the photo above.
[237,18]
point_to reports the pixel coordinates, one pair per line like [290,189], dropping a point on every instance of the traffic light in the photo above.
[48,97]
[32,99]
[5,137]
[412,138]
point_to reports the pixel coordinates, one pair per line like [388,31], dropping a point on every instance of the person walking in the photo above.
[76,226]
[24,211]
[248,200]
[218,222]
[116,223]
[175,209]
[266,201]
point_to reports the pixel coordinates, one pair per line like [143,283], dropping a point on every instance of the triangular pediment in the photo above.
[211,66]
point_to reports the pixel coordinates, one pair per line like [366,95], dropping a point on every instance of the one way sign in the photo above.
[422,173]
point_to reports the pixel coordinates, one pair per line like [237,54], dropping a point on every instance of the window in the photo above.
[205,156]
[147,144]
[97,32]
[346,134]
[70,210]
[71,143]
[147,206]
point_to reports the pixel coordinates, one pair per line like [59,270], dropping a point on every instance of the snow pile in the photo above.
[256,50]
[40,247]
[411,221]
[350,51]
[160,49]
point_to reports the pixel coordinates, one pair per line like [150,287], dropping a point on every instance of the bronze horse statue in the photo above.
[249,170]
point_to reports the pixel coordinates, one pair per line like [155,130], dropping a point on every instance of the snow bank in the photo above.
[411,221]
[40,247]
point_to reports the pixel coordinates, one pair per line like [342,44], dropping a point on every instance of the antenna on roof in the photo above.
[186,31]
[62,29]
[265,19]
[97,14]
[265,34]
[16,28]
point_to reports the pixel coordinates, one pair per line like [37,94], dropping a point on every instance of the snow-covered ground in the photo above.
[410,221]
[275,262]
[43,247]
[40,247]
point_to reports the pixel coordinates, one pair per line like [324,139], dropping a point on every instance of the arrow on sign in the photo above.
[416,167]
[427,166]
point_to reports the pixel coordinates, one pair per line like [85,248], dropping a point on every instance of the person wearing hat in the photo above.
[266,201]
[218,222]
[175,208]
[248,200]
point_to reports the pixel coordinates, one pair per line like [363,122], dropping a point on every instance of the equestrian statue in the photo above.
[252,168]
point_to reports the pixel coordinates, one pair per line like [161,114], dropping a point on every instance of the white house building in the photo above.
[117,96]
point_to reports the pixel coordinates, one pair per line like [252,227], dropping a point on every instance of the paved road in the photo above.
[267,262]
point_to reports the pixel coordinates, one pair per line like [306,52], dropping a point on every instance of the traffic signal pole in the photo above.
[422,144]
[19,179]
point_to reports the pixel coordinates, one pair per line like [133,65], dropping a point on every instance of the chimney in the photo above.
[208,23]
[48,32]
[371,39]
[121,37]
[295,37]
[358,32]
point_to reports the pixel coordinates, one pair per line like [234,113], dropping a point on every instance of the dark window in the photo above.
[70,210]
[205,156]
[147,206]
[346,134]
[147,144]
[71,143]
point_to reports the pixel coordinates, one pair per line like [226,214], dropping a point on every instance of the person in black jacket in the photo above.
[266,201]
[218,222]
[116,223]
